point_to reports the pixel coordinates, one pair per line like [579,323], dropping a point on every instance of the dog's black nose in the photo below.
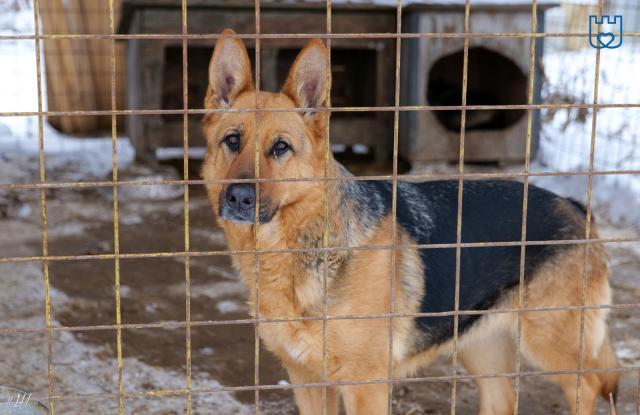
[241,196]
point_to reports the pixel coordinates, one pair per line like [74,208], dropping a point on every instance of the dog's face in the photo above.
[286,144]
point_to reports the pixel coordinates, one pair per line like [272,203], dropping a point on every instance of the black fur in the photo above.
[491,212]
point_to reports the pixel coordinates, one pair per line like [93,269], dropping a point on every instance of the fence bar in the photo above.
[587,231]
[178,254]
[204,111]
[43,211]
[185,174]
[326,148]
[249,36]
[116,217]
[525,202]
[177,324]
[463,122]
[179,392]
[406,177]
[256,218]
[394,202]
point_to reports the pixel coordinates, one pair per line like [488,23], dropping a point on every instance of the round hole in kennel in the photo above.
[493,79]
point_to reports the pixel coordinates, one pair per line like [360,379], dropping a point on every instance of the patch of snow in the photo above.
[172,153]
[217,290]
[151,308]
[16,17]
[77,158]
[151,192]
[565,141]
[207,351]
[125,291]
[360,149]
[130,219]
[69,229]
[158,173]
[228,306]
[24,211]
[628,351]
[222,272]
[216,237]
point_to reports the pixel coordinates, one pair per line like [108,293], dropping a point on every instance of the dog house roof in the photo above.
[448,2]
[130,7]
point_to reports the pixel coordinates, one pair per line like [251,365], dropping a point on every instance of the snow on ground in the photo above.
[566,133]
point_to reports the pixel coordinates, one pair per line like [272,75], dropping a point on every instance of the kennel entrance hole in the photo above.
[493,79]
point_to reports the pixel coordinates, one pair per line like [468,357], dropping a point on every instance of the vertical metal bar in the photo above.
[394,200]
[256,218]
[525,200]
[325,201]
[463,120]
[43,209]
[587,231]
[185,173]
[638,396]
[116,221]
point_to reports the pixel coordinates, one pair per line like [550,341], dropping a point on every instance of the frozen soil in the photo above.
[151,219]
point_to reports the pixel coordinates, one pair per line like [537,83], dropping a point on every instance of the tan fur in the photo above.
[359,282]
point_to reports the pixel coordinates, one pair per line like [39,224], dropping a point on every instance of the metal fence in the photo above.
[189,108]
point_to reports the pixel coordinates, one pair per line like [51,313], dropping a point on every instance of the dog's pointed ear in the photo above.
[309,79]
[229,72]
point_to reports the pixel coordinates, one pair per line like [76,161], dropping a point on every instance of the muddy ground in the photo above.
[153,290]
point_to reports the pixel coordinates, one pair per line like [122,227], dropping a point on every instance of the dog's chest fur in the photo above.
[292,284]
[312,259]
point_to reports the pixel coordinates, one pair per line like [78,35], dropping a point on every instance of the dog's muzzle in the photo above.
[238,204]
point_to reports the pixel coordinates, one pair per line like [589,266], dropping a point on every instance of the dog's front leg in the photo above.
[309,400]
[365,399]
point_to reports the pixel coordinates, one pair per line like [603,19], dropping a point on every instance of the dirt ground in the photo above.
[153,290]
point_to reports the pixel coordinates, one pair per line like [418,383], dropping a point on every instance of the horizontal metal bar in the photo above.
[416,108]
[399,177]
[267,36]
[190,254]
[158,393]
[275,320]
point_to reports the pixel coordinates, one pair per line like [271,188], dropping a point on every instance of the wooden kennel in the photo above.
[363,69]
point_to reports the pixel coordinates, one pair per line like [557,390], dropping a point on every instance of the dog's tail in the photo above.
[608,380]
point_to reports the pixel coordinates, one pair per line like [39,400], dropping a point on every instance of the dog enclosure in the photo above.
[117,293]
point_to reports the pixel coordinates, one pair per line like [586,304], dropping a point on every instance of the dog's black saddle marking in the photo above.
[491,212]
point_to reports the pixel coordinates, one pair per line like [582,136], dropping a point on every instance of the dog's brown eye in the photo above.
[280,148]
[232,140]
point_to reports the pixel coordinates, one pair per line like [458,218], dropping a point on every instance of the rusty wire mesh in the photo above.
[189,109]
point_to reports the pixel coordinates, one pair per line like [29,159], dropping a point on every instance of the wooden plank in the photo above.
[82,82]
[95,16]
[69,84]
[50,13]
[78,71]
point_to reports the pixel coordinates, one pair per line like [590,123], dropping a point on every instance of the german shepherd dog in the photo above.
[360,282]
